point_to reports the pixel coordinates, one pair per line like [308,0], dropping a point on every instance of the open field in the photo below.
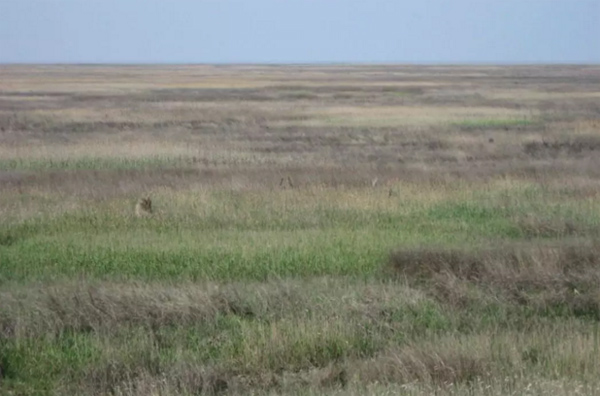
[316,230]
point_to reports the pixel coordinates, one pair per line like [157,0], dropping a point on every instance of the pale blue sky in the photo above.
[299,31]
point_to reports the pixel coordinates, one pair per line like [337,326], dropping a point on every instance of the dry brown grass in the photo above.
[278,321]
[377,119]
[556,279]
[488,181]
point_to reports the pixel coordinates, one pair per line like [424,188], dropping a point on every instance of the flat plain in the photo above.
[316,230]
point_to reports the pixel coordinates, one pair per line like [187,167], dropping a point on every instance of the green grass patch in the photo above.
[236,237]
[88,163]
[36,366]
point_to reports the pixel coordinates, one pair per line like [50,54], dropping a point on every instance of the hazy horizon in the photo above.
[430,32]
[315,63]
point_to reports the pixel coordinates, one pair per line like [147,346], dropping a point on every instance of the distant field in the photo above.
[316,230]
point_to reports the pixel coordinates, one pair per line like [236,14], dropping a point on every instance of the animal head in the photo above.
[146,203]
[143,207]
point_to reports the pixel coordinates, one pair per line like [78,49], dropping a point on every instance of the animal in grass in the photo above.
[143,208]
[284,181]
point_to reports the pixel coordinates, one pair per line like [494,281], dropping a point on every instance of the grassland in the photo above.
[317,230]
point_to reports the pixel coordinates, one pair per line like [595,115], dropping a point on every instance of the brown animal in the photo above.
[283,180]
[143,208]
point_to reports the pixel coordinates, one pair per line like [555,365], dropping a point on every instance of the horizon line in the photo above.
[319,63]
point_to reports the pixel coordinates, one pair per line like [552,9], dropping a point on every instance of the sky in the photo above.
[300,31]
